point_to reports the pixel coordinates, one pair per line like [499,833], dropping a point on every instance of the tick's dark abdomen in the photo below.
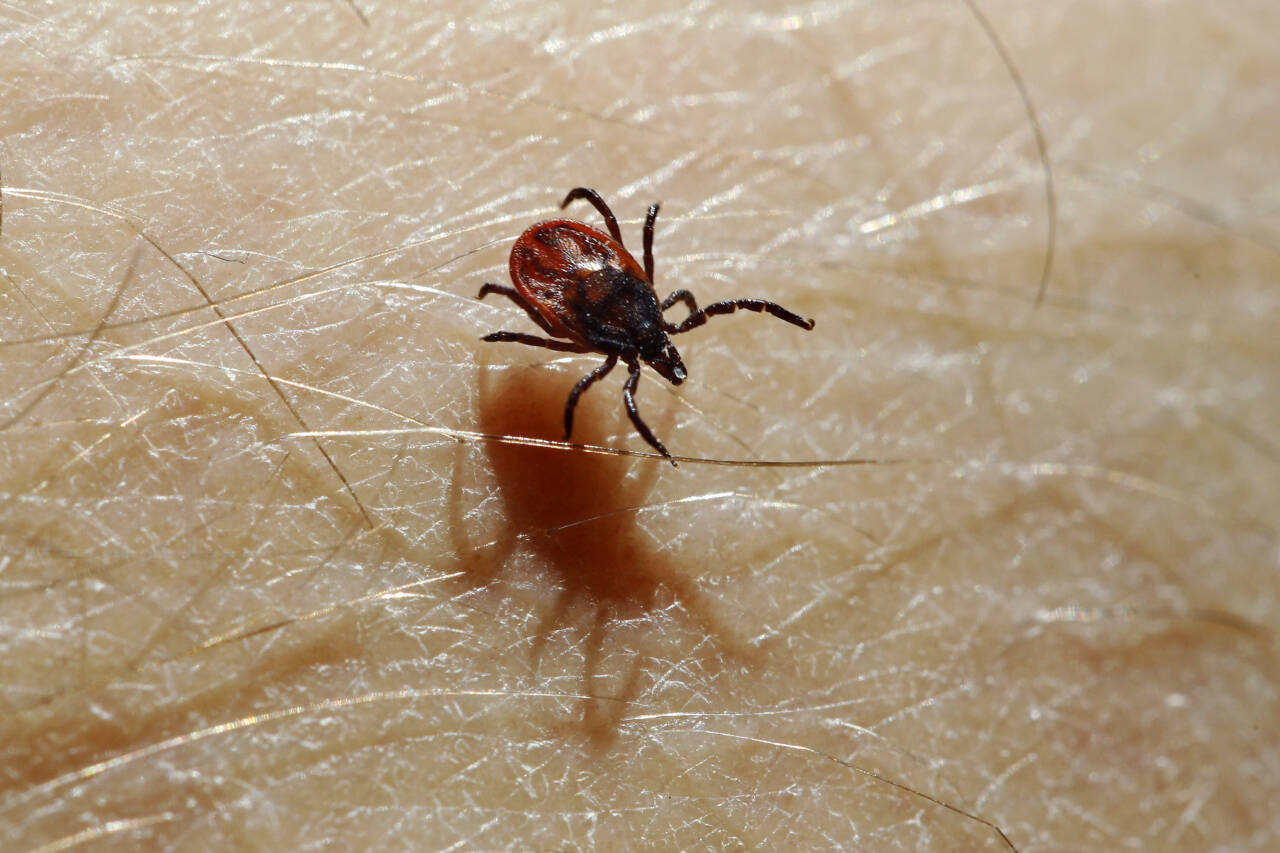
[619,312]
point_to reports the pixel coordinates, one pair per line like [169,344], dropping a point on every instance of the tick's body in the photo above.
[588,288]
[578,283]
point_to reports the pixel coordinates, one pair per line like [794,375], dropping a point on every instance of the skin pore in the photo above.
[267,581]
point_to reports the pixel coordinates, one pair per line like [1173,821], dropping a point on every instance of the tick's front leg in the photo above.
[583,384]
[678,296]
[728,306]
[629,398]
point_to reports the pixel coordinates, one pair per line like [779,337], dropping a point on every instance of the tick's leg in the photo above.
[697,318]
[648,240]
[678,296]
[514,295]
[583,384]
[533,341]
[597,202]
[681,296]
[629,397]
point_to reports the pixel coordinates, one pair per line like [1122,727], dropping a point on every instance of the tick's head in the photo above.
[666,360]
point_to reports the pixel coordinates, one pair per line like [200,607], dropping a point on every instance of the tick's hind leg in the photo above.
[514,295]
[533,341]
[598,203]
[583,384]
[697,318]
[629,398]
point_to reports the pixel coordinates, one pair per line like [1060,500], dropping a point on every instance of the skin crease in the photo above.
[1055,611]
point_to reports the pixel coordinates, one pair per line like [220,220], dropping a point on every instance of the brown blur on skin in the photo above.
[1054,612]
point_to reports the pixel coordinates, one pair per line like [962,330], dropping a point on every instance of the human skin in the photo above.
[268,581]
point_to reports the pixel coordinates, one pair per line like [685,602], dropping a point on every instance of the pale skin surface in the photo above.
[1056,614]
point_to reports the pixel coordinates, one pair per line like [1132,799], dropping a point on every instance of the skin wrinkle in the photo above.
[1063,577]
[267,289]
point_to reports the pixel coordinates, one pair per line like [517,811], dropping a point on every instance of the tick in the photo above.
[581,285]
